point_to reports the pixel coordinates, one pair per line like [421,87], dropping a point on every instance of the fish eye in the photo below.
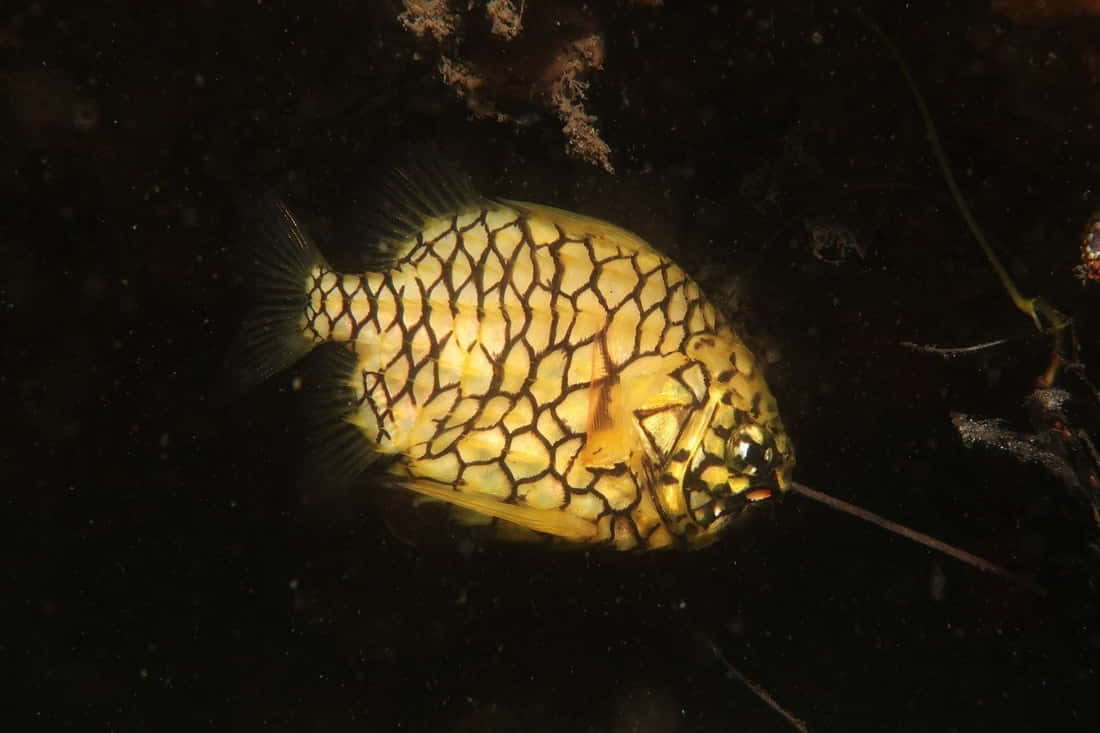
[750,452]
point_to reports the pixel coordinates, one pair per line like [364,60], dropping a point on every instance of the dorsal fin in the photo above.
[422,186]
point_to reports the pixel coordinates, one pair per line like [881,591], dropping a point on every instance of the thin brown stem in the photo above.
[927,540]
[757,689]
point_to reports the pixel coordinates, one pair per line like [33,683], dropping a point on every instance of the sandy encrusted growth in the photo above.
[567,95]
[429,16]
[466,82]
[507,19]
[546,64]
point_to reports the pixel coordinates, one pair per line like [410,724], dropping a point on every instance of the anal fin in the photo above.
[339,448]
[548,521]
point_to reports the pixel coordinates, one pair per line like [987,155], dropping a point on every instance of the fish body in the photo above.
[535,369]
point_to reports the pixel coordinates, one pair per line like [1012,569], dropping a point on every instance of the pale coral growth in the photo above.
[584,140]
[465,81]
[583,55]
[429,16]
[459,75]
[547,67]
[585,143]
[567,95]
[507,19]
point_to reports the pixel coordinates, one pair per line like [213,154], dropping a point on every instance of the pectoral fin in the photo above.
[614,403]
[607,425]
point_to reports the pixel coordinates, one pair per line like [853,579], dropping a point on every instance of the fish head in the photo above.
[731,451]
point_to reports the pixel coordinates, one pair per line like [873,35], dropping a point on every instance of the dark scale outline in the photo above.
[660,303]
[455,288]
[670,293]
[476,281]
[682,343]
[574,310]
[372,311]
[365,401]
[512,335]
[587,488]
[639,276]
[542,438]
[479,219]
[494,293]
[512,483]
[398,310]
[635,346]
[566,433]
[692,309]
[345,303]
[412,328]
[601,269]
[555,285]
[517,483]
[616,471]
[656,350]
[387,287]
[416,253]
[414,372]
[571,352]
[508,279]
[449,445]
[311,320]
[406,387]
[524,246]
[594,274]
[640,415]
[678,375]
[447,278]
[360,287]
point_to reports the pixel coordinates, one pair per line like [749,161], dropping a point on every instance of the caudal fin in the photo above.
[272,336]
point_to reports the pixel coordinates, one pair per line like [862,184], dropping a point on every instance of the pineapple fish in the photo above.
[543,372]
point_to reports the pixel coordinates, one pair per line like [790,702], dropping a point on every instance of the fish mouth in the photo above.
[724,508]
[707,507]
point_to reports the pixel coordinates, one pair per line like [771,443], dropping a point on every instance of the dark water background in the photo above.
[160,570]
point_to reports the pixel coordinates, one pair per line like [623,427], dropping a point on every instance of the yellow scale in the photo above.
[534,368]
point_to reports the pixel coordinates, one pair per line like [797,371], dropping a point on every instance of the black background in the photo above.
[161,571]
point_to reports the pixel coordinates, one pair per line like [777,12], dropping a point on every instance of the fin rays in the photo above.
[417,190]
[271,338]
[339,451]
